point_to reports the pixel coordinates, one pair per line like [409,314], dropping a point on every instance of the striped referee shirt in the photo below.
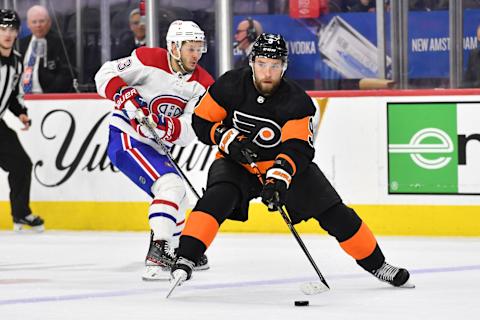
[11,97]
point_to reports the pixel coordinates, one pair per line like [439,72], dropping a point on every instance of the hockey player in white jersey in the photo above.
[165,85]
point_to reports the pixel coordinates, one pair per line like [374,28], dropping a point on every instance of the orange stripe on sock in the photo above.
[202,226]
[361,244]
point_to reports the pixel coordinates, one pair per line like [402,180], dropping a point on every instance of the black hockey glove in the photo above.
[234,144]
[275,188]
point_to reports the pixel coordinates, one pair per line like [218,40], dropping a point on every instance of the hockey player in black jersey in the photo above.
[256,110]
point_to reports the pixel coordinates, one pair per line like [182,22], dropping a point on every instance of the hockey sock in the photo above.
[162,218]
[163,214]
[191,248]
[353,235]
[201,226]
[200,230]
[340,221]
[374,261]
[176,233]
[361,245]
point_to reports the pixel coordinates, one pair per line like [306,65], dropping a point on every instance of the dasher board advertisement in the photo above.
[434,148]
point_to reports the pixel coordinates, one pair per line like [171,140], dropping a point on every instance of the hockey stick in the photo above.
[164,148]
[310,287]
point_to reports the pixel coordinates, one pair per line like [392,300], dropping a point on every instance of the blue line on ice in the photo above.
[131,292]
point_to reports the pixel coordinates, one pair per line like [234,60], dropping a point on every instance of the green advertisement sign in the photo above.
[422,148]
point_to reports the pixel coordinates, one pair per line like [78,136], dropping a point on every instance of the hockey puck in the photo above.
[301,303]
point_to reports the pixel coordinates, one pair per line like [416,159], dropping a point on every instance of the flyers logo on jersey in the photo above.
[171,106]
[265,132]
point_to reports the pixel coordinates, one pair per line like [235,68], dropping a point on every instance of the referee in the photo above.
[13,158]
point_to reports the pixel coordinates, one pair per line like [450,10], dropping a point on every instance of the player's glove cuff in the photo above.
[129,99]
[234,144]
[279,174]
[227,138]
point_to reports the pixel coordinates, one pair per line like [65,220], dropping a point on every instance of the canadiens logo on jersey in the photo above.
[265,132]
[123,64]
[168,105]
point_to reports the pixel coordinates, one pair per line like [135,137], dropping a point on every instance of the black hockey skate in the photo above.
[202,263]
[160,254]
[397,277]
[159,261]
[181,272]
[32,222]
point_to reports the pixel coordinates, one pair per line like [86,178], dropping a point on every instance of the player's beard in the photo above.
[267,89]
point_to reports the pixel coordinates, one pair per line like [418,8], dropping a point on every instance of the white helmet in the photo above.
[180,31]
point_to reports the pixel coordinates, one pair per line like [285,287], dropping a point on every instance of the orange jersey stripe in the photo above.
[289,160]
[201,226]
[208,109]
[296,129]
[361,244]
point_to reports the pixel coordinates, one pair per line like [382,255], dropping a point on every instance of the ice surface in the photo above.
[97,275]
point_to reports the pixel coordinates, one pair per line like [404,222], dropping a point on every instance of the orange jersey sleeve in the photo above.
[208,109]
[297,129]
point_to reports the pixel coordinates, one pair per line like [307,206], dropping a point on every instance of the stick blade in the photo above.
[311,288]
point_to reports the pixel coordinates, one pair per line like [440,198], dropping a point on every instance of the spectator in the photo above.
[335,6]
[364,6]
[470,4]
[347,5]
[427,5]
[472,73]
[131,40]
[418,5]
[47,67]
[13,158]
[247,31]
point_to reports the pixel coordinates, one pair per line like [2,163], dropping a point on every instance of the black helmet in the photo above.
[9,18]
[269,45]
